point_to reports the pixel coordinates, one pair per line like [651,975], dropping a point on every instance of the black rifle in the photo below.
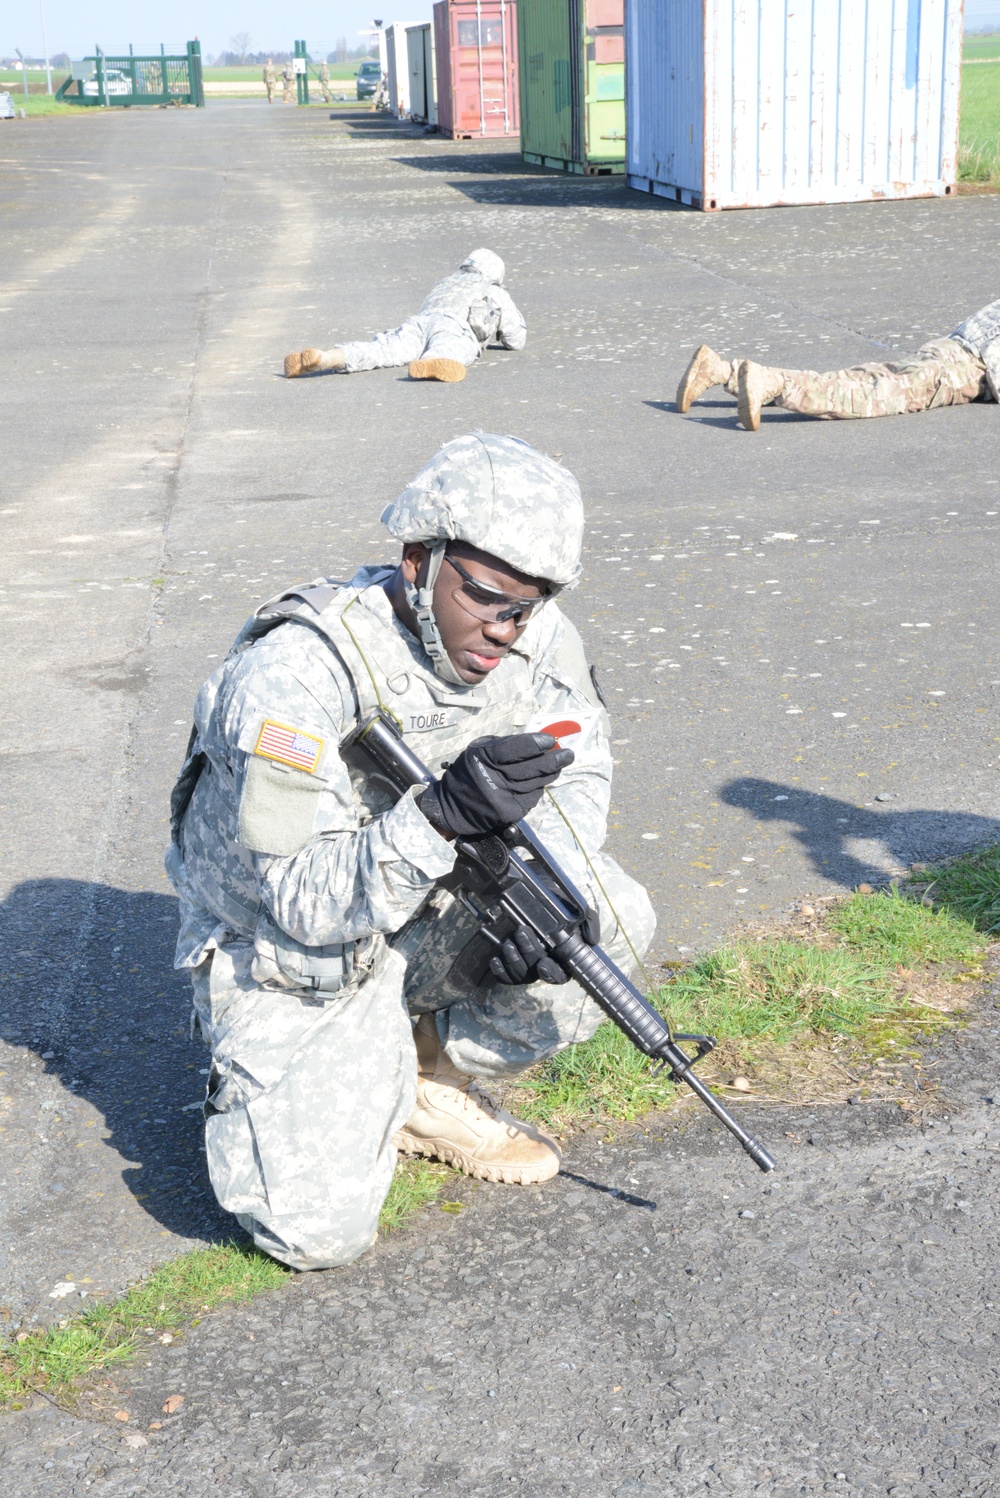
[509,880]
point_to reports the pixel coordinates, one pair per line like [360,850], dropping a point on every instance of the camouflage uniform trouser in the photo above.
[429,335]
[306,1093]
[942,373]
[270,92]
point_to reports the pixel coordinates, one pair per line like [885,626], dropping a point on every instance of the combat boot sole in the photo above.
[450,371]
[500,1173]
[306,361]
[705,370]
[757,386]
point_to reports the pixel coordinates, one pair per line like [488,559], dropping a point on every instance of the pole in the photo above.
[24,70]
[45,48]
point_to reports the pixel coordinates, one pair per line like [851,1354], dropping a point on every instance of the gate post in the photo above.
[102,92]
[301,72]
[196,82]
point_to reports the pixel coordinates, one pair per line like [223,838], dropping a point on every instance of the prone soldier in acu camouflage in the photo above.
[950,371]
[458,318]
[317,919]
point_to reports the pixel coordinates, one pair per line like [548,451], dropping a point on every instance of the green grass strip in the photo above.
[781,992]
[887,927]
[968,888]
[778,991]
[979,130]
[176,1295]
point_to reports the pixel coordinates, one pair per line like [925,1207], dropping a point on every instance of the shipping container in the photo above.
[423,73]
[476,47]
[761,102]
[571,65]
[398,68]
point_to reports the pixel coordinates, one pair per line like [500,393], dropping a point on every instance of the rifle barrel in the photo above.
[594,970]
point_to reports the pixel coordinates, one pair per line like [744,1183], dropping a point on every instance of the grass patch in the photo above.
[967,888]
[36,105]
[179,1293]
[981,46]
[416,1183]
[890,928]
[875,975]
[55,1360]
[605,1078]
[979,131]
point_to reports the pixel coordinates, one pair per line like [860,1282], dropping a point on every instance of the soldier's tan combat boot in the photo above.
[449,370]
[312,361]
[456,1122]
[757,386]
[707,368]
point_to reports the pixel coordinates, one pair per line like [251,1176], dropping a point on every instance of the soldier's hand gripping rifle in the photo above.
[509,881]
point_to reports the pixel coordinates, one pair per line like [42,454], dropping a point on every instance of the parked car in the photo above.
[7,110]
[368,77]
[115,82]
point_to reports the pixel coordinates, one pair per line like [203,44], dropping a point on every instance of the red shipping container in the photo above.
[476,44]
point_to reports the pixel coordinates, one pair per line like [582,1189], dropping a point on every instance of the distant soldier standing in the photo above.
[288,84]
[324,82]
[270,76]
[950,371]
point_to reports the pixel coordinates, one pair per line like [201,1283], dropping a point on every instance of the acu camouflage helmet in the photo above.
[501,496]
[486,264]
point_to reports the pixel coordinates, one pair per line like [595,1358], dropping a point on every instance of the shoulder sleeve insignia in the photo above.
[289,746]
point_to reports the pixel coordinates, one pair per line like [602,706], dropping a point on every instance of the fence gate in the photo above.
[126,80]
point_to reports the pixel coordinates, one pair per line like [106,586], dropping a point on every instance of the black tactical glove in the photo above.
[493,784]
[522,960]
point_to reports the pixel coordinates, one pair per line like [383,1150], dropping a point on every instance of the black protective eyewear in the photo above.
[489,604]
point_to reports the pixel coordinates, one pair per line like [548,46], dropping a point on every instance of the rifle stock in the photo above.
[510,880]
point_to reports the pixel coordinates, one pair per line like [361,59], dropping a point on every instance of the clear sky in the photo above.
[74,26]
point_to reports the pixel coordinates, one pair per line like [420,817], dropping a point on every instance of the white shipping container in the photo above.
[423,73]
[750,103]
[398,68]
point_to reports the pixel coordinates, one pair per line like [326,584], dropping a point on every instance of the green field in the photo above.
[979,135]
[981,46]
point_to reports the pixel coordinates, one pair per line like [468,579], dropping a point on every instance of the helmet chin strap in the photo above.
[421,601]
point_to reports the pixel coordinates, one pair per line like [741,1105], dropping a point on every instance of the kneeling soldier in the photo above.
[316,915]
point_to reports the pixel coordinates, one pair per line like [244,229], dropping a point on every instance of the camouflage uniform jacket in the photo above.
[980,334]
[489,310]
[288,842]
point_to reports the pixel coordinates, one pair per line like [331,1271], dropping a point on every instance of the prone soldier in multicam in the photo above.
[945,372]
[317,919]
[459,317]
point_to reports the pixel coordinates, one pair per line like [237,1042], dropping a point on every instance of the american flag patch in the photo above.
[290,746]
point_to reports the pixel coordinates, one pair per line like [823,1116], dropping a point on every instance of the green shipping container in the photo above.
[571,66]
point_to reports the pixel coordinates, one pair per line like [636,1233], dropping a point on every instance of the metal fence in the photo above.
[126,80]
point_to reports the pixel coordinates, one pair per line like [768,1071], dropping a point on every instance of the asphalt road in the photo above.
[796,636]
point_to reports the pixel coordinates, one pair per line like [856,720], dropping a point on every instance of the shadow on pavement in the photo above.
[91,989]
[825,827]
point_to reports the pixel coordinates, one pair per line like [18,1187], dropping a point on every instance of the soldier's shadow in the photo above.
[854,845]
[90,987]
[722,413]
